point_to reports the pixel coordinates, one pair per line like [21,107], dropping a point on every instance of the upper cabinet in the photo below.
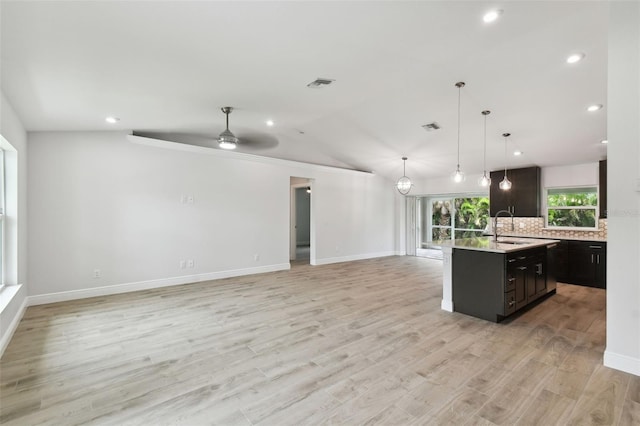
[602,199]
[523,199]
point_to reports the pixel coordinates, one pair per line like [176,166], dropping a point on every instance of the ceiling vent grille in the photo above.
[320,82]
[430,127]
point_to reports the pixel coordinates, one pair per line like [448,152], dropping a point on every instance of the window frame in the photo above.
[595,208]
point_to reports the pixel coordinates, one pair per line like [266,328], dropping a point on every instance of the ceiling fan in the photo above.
[252,141]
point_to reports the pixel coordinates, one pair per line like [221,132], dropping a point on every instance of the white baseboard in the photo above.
[13,325]
[330,260]
[446,305]
[41,299]
[622,362]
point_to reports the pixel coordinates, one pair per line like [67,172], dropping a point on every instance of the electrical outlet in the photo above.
[190,263]
[183,264]
[190,199]
[521,225]
[97,273]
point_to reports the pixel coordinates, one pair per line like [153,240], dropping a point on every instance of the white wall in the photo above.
[99,201]
[12,300]
[623,248]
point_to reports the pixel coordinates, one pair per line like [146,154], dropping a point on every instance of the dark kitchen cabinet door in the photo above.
[523,199]
[520,274]
[602,184]
[587,263]
[560,262]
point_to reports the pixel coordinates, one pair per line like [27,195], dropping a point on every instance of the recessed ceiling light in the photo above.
[576,57]
[270,123]
[517,153]
[604,141]
[593,108]
[112,120]
[491,15]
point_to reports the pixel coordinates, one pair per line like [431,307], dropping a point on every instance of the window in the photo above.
[575,207]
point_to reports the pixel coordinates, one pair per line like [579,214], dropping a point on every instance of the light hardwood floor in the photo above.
[347,344]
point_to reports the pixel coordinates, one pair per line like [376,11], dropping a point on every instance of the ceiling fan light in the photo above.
[227,140]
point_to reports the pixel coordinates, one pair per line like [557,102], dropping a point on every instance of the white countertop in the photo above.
[542,236]
[503,245]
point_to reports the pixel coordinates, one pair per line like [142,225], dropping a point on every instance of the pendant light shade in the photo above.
[485,180]
[227,140]
[505,184]
[458,176]
[404,183]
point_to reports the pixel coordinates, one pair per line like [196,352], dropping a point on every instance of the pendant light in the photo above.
[485,180]
[458,176]
[227,140]
[404,183]
[505,184]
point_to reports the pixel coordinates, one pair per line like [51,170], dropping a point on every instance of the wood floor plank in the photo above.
[353,343]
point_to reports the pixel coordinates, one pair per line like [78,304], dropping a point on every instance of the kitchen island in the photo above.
[493,279]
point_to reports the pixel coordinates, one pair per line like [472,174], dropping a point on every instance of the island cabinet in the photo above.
[492,285]
[523,199]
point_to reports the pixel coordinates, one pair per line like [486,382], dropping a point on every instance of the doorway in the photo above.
[301,236]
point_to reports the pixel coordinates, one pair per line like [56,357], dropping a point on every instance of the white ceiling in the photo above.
[170,66]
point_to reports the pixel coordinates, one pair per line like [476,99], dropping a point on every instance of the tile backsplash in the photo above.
[534,226]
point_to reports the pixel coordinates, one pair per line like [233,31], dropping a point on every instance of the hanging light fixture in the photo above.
[505,184]
[458,176]
[485,180]
[404,183]
[227,140]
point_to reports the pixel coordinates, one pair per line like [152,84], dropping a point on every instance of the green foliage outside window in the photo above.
[470,216]
[572,207]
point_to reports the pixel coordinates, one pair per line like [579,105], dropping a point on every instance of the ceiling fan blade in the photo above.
[257,141]
[206,141]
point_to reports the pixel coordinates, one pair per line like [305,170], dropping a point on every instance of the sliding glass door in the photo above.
[446,217]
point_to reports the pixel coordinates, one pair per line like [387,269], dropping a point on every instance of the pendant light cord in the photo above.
[505,156]
[459,91]
[484,160]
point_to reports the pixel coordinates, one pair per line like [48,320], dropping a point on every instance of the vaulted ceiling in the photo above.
[167,68]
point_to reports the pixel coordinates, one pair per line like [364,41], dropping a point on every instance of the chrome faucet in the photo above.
[495,223]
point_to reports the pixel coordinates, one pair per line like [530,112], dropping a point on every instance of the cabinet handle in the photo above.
[522,257]
[513,302]
[592,258]
[595,247]
[511,260]
[598,257]
[511,280]
[522,268]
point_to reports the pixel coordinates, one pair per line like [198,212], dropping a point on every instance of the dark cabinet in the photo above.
[493,286]
[587,263]
[602,184]
[528,271]
[523,199]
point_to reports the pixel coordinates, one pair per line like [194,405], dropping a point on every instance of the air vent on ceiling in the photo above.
[320,82]
[430,127]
